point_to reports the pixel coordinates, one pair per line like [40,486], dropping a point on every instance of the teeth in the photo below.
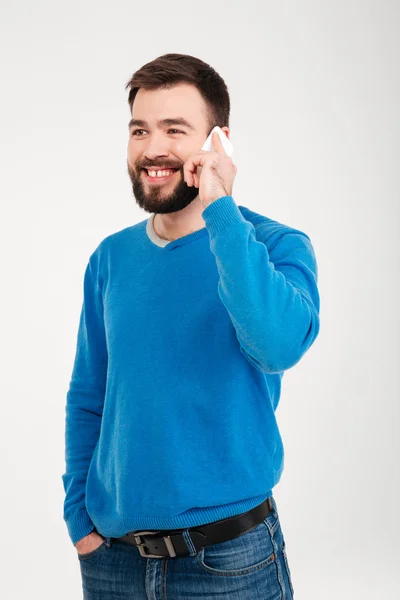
[160,173]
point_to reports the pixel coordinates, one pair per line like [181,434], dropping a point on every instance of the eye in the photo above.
[134,133]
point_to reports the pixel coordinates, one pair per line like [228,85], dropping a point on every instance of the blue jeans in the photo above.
[253,566]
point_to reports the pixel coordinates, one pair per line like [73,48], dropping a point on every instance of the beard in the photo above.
[154,198]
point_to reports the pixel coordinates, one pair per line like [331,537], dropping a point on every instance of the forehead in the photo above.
[183,100]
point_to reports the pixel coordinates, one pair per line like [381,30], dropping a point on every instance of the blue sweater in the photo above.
[181,347]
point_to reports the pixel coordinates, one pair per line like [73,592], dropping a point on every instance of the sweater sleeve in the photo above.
[271,295]
[84,405]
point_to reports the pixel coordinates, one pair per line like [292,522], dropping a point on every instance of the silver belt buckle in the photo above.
[167,539]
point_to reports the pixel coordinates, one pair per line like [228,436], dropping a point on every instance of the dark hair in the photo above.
[171,69]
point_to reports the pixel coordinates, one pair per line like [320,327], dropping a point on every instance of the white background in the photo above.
[315,99]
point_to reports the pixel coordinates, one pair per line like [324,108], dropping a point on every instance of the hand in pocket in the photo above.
[89,543]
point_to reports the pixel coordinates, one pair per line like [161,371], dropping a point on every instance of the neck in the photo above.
[172,226]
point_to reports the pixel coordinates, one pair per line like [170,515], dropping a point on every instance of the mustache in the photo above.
[163,166]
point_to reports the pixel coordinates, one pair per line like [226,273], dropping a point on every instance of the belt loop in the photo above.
[189,542]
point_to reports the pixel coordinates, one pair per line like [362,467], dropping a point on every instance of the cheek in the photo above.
[181,151]
[133,160]
[131,153]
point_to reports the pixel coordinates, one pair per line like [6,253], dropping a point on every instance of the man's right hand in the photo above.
[89,543]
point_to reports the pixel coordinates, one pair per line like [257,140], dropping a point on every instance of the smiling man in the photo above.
[189,320]
[160,146]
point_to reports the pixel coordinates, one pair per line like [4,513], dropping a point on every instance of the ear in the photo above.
[226,131]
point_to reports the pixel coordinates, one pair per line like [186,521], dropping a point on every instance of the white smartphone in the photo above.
[227,144]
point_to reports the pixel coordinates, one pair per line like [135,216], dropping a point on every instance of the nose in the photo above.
[156,145]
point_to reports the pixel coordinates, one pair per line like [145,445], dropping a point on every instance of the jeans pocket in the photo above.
[94,552]
[244,554]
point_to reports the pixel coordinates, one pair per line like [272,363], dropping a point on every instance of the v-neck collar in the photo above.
[170,245]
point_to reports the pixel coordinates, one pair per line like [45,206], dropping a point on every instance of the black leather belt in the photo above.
[170,543]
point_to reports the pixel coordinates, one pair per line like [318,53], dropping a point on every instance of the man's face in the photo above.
[152,144]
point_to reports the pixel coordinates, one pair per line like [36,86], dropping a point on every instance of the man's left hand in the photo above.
[215,172]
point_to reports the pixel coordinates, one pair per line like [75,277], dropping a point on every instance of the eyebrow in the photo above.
[161,123]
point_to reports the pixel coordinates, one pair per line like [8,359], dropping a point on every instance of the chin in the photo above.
[162,201]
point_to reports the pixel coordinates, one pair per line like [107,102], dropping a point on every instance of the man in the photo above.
[189,320]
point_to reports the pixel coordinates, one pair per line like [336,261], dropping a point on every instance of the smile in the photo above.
[157,179]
